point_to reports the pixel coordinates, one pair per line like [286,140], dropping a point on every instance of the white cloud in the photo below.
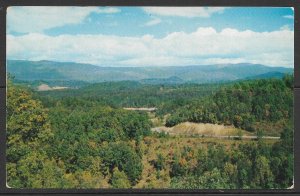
[285,27]
[288,16]
[209,61]
[42,18]
[203,46]
[189,12]
[108,10]
[153,22]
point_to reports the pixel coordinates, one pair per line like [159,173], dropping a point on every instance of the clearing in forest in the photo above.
[207,129]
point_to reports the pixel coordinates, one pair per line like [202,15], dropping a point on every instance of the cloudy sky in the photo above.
[152,36]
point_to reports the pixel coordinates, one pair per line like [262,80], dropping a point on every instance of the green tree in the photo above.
[28,136]
[263,176]
[119,179]
[123,156]
[160,162]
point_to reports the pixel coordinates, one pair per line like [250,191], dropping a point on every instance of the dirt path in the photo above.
[242,137]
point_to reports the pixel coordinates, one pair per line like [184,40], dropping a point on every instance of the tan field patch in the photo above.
[207,129]
[45,87]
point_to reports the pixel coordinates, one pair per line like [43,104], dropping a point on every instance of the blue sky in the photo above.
[147,36]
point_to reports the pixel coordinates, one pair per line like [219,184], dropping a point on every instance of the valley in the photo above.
[170,131]
[149,99]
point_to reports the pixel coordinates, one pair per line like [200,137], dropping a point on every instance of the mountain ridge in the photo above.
[51,70]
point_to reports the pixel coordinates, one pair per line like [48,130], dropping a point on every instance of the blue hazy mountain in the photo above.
[69,71]
[274,74]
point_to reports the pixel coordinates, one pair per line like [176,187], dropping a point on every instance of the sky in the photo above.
[152,36]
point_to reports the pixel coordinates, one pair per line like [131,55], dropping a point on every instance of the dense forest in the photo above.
[83,138]
[263,105]
[130,94]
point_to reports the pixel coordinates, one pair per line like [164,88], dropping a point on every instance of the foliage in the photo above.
[88,141]
[119,179]
[124,157]
[28,134]
[243,104]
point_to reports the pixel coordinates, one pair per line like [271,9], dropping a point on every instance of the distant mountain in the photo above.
[68,71]
[170,80]
[268,75]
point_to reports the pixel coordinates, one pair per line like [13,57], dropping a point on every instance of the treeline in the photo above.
[130,94]
[65,83]
[243,104]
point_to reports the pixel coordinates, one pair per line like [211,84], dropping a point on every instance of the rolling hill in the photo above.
[68,71]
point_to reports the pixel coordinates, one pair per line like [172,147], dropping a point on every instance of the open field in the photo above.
[189,128]
[209,130]
[45,87]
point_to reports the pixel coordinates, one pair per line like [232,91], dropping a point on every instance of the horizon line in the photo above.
[57,61]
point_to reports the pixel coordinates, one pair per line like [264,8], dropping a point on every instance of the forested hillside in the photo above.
[66,147]
[255,105]
[84,138]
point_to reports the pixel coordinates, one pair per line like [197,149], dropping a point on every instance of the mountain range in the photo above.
[69,71]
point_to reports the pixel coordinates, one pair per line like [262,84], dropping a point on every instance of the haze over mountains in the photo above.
[66,71]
